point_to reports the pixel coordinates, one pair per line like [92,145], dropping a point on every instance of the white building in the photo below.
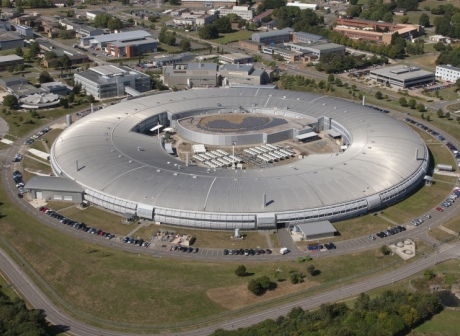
[302,5]
[243,12]
[447,73]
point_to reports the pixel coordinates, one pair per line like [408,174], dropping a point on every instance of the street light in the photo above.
[233,157]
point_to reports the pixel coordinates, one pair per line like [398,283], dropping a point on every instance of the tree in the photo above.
[447,115]
[10,101]
[114,24]
[424,20]
[45,77]
[174,2]
[65,62]
[64,103]
[223,25]
[240,271]
[77,88]
[19,52]
[412,103]
[404,19]
[379,95]
[458,119]
[208,32]
[34,49]
[420,107]
[311,269]
[296,277]
[439,46]
[50,55]
[428,118]
[331,78]
[439,113]
[7,4]
[457,83]
[185,45]
[70,3]
[353,2]
[385,250]
[403,102]
[338,82]
[260,285]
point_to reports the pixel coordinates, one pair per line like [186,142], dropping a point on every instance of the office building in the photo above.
[447,73]
[274,36]
[192,75]
[243,12]
[110,81]
[402,76]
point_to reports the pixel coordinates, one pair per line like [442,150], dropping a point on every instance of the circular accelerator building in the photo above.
[241,158]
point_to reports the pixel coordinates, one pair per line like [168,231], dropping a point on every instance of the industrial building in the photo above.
[274,36]
[302,37]
[302,5]
[10,61]
[317,230]
[50,188]
[375,30]
[243,12]
[236,58]
[192,75]
[244,74]
[317,50]
[110,81]
[160,61]
[24,31]
[208,3]
[127,170]
[447,73]
[10,40]
[402,76]
[127,44]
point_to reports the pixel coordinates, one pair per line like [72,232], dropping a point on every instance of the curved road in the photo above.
[38,300]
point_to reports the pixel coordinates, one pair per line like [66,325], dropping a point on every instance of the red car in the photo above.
[439,209]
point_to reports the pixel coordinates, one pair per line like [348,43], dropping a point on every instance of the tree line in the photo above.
[17,319]
[390,313]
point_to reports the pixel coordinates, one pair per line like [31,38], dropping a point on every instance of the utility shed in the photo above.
[445,167]
[54,189]
[334,134]
[306,137]
[316,230]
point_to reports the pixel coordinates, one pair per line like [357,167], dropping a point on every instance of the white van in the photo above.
[284,250]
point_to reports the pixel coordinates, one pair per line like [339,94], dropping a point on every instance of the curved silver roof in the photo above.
[382,154]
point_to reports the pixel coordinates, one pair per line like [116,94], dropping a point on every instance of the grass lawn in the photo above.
[425,61]
[56,205]
[99,218]
[132,288]
[164,48]
[36,165]
[446,323]
[234,37]
[453,224]
[439,234]
[424,199]
[8,291]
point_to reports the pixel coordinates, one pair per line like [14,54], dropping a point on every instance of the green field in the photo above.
[124,287]
[446,323]
[234,37]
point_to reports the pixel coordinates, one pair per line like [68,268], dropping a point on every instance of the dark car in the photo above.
[190,249]
[225,252]
[195,250]
[268,251]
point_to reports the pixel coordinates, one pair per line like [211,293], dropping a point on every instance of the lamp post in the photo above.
[233,157]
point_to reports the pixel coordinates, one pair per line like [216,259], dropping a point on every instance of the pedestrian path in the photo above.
[135,229]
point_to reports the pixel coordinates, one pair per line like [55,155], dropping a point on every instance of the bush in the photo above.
[240,271]
[385,250]
[260,285]
[296,277]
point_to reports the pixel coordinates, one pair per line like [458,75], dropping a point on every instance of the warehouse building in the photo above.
[402,76]
[447,73]
[10,61]
[25,31]
[242,74]
[236,58]
[10,40]
[302,37]
[127,44]
[317,50]
[274,36]
[51,188]
[110,81]
[192,75]
[316,230]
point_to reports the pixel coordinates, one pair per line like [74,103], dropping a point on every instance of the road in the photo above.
[29,290]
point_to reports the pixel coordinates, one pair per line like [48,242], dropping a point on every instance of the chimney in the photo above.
[264,199]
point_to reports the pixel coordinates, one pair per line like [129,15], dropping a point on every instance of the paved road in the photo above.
[55,316]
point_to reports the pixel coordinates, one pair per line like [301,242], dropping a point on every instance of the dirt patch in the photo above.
[236,297]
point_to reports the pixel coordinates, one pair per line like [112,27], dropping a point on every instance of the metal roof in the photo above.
[381,156]
[316,228]
[9,58]
[401,72]
[121,36]
[53,183]
[306,135]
